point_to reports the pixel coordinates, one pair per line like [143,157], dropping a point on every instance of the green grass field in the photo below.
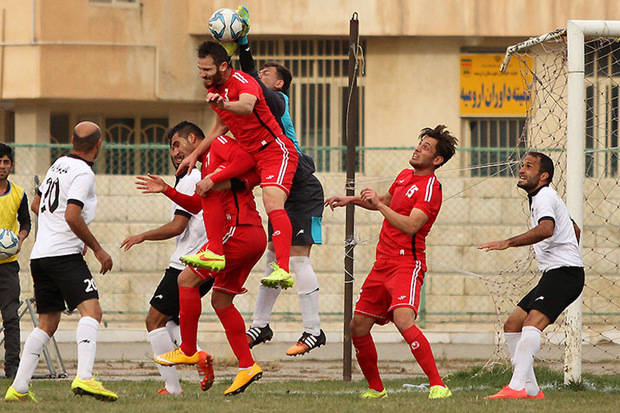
[596,394]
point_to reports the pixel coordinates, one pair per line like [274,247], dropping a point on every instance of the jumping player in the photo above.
[391,292]
[555,237]
[161,320]
[244,244]
[240,105]
[304,207]
[65,204]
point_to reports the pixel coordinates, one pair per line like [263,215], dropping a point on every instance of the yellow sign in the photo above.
[485,91]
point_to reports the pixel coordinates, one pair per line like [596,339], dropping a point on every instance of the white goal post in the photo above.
[576,32]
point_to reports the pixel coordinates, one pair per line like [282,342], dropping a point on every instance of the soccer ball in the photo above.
[8,243]
[225,25]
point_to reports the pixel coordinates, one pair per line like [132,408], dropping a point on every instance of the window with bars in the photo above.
[602,76]
[318,94]
[132,145]
[495,146]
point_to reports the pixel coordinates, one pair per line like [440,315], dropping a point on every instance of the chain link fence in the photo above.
[475,209]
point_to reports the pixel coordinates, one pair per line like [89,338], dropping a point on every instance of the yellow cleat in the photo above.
[244,378]
[176,356]
[93,388]
[373,394]
[13,396]
[277,278]
[439,392]
[205,259]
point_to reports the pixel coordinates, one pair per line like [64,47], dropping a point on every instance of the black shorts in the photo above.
[555,291]
[166,296]
[60,280]
[304,207]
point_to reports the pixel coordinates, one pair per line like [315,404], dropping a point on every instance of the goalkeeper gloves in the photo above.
[244,13]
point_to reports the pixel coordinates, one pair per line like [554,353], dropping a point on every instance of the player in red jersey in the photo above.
[244,243]
[238,100]
[391,291]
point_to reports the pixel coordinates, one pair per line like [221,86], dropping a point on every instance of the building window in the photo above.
[134,146]
[602,72]
[318,94]
[496,146]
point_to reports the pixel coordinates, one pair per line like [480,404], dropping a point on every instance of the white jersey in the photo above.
[194,236]
[561,249]
[69,180]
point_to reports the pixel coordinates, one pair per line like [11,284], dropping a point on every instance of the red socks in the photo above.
[214,218]
[421,350]
[281,237]
[366,354]
[189,314]
[235,333]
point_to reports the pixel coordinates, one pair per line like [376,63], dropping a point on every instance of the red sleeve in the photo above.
[250,179]
[191,203]
[237,161]
[429,201]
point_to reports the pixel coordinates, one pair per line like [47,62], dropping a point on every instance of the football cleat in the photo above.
[164,392]
[539,396]
[439,392]
[205,259]
[277,278]
[205,370]
[257,335]
[244,378]
[373,394]
[508,393]
[306,343]
[13,396]
[176,356]
[92,388]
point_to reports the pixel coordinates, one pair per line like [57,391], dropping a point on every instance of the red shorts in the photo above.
[391,284]
[276,164]
[244,245]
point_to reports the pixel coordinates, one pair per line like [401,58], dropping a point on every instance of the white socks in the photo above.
[524,353]
[308,293]
[162,342]
[86,337]
[511,341]
[174,330]
[266,297]
[33,347]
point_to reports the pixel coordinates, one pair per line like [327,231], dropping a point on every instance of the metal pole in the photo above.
[352,139]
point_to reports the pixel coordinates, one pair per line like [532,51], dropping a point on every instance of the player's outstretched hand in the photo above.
[215,100]
[244,13]
[493,246]
[371,197]
[131,241]
[104,259]
[336,201]
[203,186]
[187,164]
[151,184]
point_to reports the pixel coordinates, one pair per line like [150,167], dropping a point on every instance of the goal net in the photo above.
[587,336]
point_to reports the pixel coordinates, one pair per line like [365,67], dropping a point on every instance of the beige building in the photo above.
[130,66]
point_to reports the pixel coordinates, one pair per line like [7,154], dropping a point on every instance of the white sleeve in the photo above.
[545,205]
[81,185]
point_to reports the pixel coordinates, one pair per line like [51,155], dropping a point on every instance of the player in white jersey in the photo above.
[65,204]
[555,237]
[162,318]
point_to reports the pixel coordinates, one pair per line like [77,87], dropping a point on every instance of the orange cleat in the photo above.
[508,393]
[205,370]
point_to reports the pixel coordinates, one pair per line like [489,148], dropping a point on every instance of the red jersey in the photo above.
[239,204]
[252,131]
[410,191]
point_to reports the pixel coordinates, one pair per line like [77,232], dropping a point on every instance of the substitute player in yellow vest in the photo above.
[14,215]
